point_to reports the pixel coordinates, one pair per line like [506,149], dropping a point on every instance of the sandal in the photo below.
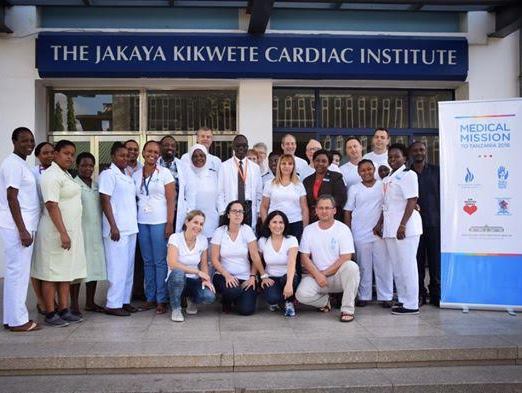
[326,308]
[161,308]
[29,326]
[345,317]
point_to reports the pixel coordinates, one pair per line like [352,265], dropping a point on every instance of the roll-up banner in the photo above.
[481,204]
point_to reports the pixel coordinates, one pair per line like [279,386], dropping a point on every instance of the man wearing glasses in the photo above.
[240,179]
[326,252]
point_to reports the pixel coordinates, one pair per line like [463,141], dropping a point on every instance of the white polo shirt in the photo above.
[276,261]
[121,189]
[326,245]
[186,256]
[398,188]
[152,203]
[365,203]
[16,173]
[286,199]
[233,254]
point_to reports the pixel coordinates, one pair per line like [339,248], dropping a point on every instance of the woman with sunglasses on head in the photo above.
[188,267]
[279,252]
[235,278]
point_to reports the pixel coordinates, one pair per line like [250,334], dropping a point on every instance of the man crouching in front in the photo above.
[326,251]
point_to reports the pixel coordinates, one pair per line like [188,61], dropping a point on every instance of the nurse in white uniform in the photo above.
[202,182]
[120,226]
[19,215]
[361,213]
[401,228]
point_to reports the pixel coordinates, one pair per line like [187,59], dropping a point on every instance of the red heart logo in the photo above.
[470,209]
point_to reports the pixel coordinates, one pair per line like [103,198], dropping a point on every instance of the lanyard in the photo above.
[243,173]
[145,183]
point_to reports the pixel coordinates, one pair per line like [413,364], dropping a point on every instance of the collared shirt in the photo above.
[400,186]
[132,170]
[429,195]
[16,173]
[121,189]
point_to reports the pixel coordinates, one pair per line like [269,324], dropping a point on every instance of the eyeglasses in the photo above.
[325,208]
[235,211]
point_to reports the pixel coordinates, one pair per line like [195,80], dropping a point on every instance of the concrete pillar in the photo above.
[255,110]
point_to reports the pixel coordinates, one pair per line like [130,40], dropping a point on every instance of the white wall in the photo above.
[17,76]
[494,68]
[255,110]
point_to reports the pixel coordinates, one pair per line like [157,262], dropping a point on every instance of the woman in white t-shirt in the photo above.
[286,193]
[155,189]
[188,267]
[401,227]
[361,213]
[279,252]
[235,278]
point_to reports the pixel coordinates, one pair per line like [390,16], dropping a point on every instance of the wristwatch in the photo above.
[263,276]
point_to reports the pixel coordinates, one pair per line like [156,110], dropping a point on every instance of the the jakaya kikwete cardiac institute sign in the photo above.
[283,56]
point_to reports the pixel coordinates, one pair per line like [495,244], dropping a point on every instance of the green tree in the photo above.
[71,116]
[58,118]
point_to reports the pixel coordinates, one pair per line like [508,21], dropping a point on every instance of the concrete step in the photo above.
[469,379]
[254,354]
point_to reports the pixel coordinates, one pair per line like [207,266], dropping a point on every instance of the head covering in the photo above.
[198,146]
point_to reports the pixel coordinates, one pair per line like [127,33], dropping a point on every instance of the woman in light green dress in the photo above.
[59,256]
[92,235]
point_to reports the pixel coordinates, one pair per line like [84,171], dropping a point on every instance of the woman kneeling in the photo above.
[188,267]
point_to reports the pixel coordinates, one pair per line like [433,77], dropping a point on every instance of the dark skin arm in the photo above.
[56,217]
[410,206]
[14,206]
[107,210]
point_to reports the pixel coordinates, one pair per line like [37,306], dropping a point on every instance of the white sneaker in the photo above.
[192,308]
[177,315]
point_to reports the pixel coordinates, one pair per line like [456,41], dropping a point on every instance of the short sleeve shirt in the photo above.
[16,173]
[326,245]
[365,203]
[286,199]
[152,203]
[350,174]
[234,253]
[186,256]
[121,189]
[276,261]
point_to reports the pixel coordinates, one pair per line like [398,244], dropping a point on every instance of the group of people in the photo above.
[263,224]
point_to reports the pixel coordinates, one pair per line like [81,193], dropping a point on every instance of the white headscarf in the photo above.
[204,168]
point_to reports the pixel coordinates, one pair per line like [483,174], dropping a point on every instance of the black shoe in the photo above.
[130,308]
[361,303]
[118,312]
[387,304]
[404,311]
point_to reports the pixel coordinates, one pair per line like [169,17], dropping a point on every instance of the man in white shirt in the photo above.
[269,175]
[19,216]
[205,137]
[134,151]
[379,153]
[262,152]
[326,252]
[240,179]
[349,170]
[289,146]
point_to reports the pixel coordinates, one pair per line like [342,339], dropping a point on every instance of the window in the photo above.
[75,111]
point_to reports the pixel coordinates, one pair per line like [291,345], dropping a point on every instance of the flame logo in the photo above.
[469,176]
[502,173]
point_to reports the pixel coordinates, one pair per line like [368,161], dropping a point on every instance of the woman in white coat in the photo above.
[120,226]
[202,187]
[401,227]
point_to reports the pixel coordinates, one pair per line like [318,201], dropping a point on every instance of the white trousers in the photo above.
[403,256]
[17,259]
[120,269]
[345,280]
[372,258]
